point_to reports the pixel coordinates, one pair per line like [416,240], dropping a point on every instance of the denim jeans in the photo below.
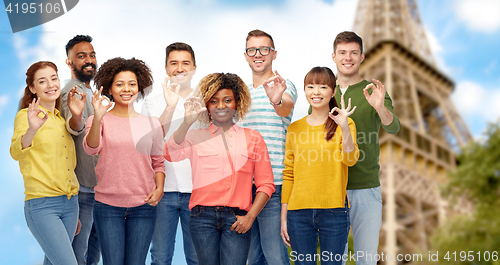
[266,246]
[124,233]
[305,226]
[53,221]
[173,205]
[366,220]
[86,244]
[213,240]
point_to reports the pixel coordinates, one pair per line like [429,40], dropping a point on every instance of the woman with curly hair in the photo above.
[46,155]
[130,172]
[225,159]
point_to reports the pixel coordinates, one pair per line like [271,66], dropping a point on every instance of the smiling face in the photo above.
[259,63]
[319,95]
[83,62]
[46,86]
[221,107]
[180,67]
[348,58]
[124,88]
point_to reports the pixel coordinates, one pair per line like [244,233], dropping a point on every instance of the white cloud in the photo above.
[3,103]
[479,15]
[471,100]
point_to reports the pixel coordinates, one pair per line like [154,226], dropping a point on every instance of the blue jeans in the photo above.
[215,244]
[306,225]
[173,205]
[86,244]
[124,233]
[266,246]
[366,220]
[53,221]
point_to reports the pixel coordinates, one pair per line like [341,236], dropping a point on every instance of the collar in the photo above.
[213,128]
[56,111]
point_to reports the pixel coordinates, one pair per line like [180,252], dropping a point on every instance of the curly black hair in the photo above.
[75,40]
[107,72]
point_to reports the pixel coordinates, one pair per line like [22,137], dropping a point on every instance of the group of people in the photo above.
[102,179]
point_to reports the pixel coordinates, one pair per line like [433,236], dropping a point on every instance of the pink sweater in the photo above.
[130,152]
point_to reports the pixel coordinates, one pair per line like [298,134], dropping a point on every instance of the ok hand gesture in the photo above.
[99,109]
[275,90]
[193,109]
[342,113]
[171,93]
[34,121]
[76,104]
[376,99]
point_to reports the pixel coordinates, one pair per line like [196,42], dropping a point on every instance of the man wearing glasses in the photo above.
[273,99]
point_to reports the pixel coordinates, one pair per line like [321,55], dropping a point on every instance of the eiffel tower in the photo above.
[415,161]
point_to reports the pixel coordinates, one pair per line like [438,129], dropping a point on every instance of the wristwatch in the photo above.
[277,105]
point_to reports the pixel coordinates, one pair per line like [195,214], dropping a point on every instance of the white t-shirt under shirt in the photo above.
[177,174]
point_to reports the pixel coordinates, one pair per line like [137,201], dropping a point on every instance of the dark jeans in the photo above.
[215,244]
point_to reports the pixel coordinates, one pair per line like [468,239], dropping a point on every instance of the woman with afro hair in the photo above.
[130,171]
[225,159]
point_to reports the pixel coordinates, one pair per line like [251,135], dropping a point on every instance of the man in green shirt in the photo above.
[374,108]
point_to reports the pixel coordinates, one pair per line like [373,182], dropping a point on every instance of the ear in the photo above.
[166,71]
[32,90]
[275,54]
[334,91]
[333,56]
[362,57]
[68,63]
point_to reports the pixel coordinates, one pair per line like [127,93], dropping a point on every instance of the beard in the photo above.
[80,73]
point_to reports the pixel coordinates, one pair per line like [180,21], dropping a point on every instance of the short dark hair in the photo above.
[348,36]
[179,46]
[107,72]
[259,33]
[75,40]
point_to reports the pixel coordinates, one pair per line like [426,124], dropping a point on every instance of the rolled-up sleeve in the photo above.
[89,150]
[174,152]
[20,127]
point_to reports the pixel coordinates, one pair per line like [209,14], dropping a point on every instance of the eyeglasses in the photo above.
[263,51]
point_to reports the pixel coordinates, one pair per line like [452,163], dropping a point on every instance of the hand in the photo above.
[171,93]
[99,109]
[242,224]
[275,90]
[34,121]
[193,109]
[76,104]
[154,197]
[284,233]
[78,227]
[342,113]
[377,98]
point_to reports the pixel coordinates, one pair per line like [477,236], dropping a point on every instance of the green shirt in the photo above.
[365,173]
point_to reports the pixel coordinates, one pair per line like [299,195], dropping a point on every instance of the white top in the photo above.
[177,174]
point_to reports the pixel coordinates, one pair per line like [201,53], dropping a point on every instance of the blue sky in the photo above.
[464,35]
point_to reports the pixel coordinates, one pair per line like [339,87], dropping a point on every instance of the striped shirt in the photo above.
[263,118]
